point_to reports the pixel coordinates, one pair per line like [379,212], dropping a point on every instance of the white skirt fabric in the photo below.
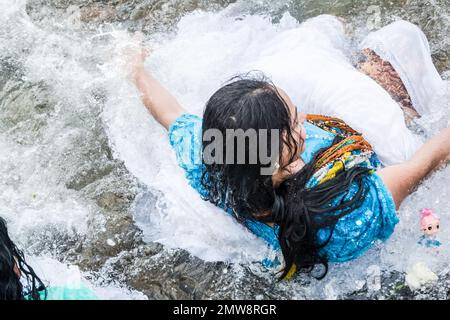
[311,63]
[406,47]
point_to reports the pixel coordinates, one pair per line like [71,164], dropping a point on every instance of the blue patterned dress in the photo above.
[353,234]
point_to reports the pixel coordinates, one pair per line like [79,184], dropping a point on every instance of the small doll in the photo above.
[429,224]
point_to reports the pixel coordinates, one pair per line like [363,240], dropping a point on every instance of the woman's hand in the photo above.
[135,55]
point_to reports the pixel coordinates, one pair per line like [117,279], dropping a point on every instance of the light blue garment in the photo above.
[66,293]
[353,234]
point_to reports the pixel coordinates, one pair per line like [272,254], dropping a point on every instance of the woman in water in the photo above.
[328,198]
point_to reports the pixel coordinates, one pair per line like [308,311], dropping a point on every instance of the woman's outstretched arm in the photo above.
[163,106]
[402,179]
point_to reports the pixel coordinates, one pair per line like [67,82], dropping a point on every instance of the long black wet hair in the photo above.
[12,259]
[254,102]
[246,103]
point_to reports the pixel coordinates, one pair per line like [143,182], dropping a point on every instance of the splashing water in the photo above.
[65,98]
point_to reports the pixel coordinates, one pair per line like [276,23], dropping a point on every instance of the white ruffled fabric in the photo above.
[406,47]
[311,63]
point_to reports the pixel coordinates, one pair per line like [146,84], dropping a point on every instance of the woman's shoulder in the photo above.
[356,232]
[316,139]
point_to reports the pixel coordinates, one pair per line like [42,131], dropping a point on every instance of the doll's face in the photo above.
[431,227]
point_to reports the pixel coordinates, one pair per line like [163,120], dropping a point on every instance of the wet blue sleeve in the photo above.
[356,232]
[185,137]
